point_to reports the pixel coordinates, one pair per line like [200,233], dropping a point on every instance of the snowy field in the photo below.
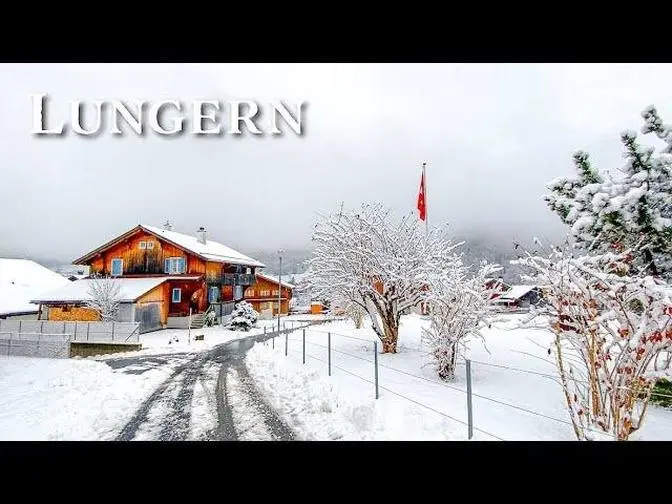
[512,399]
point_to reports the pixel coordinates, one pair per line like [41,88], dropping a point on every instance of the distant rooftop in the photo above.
[21,280]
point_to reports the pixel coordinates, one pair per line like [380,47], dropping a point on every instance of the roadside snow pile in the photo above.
[321,410]
[69,399]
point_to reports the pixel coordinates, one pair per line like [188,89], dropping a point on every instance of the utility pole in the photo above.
[280,252]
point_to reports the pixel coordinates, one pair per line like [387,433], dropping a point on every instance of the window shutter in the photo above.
[183,265]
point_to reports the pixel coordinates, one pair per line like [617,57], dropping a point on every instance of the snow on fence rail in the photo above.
[81,332]
[375,365]
[54,346]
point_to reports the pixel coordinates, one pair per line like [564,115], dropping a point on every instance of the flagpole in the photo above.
[424,176]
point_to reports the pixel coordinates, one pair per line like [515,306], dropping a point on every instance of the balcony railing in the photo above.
[243,279]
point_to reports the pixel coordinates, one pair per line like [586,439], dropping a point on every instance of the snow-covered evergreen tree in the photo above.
[377,262]
[243,317]
[631,210]
[459,305]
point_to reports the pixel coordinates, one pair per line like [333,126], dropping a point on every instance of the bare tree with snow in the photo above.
[459,305]
[377,262]
[104,296]
[612,324]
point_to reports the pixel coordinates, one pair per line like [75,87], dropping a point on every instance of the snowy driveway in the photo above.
[209,396]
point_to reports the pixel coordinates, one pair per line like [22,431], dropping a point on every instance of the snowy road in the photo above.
[210,396]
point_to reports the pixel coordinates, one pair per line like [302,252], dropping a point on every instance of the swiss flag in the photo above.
[421,199]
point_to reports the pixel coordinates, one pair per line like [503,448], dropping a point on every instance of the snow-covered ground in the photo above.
[413,404]
[69,399]
[85,399]
[179,340]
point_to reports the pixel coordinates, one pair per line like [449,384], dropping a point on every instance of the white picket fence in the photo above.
[79,332]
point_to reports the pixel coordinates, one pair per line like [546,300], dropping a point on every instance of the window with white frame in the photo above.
[177,295]
[275,292]
[265,293]
[175,265]
[143,245]
[117,268]
[150,245]
[249,293]
[213,294]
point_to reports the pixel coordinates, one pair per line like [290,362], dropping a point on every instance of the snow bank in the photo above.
[69,399]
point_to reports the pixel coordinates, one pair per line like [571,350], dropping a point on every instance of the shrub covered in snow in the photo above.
[210,319]
[613,337]
[459,307]
[243,317]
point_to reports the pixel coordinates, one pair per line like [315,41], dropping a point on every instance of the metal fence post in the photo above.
[9,344]
[286,340]
[88,327]
[19,326]
[470,418]
[329,351]
[304,346]
[375,361]
[112,330]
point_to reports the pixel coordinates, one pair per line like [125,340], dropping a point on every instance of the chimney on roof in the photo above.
[200,235]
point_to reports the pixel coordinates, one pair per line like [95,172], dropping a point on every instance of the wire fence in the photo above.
[371,347]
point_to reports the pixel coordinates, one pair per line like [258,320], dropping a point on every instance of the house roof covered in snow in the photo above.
[210,250]
[517,291]
[274,279]
[21,280]
[130,289]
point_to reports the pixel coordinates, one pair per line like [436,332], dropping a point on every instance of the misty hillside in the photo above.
[474,250]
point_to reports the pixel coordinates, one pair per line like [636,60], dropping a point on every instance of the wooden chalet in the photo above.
[189,272]
[263,295]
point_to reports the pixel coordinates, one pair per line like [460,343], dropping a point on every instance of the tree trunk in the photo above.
[390,339]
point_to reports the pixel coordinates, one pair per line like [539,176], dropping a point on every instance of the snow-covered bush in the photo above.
[243,317]
[104,296]
[210,319]
[356,313]
[377,262]
[627,209]
[459,307]
[613,327]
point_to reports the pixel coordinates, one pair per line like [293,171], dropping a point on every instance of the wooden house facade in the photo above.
[192,272]
[263,295]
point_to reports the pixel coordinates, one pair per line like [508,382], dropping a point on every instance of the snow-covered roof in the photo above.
[517,291]
[130,289]
[274,279]
[211,250]
[21,280]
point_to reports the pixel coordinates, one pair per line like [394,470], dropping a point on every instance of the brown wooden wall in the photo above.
[129,250]
[72,313]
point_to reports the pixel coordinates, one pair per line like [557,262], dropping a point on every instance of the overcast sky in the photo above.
[492,136]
